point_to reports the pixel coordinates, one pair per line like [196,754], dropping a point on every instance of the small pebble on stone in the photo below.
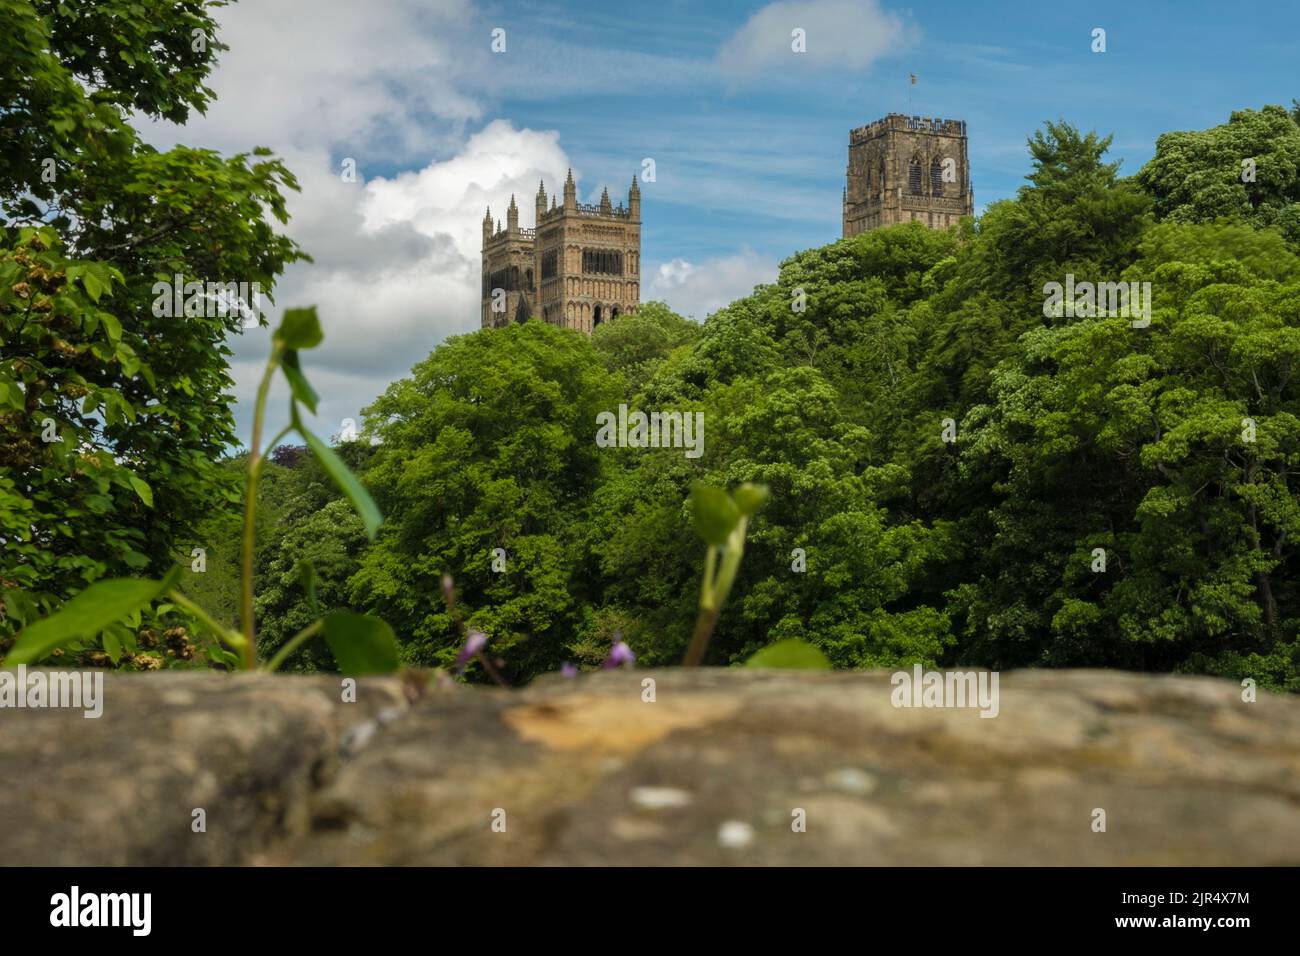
[660,798]
[735,835]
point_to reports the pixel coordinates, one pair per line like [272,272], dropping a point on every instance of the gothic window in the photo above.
[914,177]
[529,275]
[550,264]
[936,178]
[602,262]
[596,317]
[507,279]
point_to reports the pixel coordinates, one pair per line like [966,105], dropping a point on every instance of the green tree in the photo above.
[1169,451]
[638,344]
[1246,170]
[93,218]
[490,444]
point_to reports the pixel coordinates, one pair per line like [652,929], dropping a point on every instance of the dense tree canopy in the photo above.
[959,472]
[1108,494]
[1247,170]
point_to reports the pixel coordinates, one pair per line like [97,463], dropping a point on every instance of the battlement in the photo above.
[908,124]
[501,235]
[589,210]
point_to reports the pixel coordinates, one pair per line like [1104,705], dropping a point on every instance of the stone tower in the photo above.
[509,274]
[907,169]
[578,268]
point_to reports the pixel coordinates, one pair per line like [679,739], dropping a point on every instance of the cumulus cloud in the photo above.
[449,197]
[700,289]
[850,34]
[301,74]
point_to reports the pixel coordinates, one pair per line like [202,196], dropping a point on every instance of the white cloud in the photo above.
[302,74]
[849,34]
[700,289]
[393,84]
[449,197]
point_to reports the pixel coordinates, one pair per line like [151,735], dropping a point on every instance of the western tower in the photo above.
[579,267]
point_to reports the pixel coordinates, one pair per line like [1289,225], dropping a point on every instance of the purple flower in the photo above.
[620,653]
[568,670]
[477,641]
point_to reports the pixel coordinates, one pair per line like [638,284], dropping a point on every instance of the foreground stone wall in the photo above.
[584,771]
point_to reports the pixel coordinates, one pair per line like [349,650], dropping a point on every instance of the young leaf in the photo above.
[298,383]
[361,644]
[307,580]
[142,489]
[125,636]
[299,329]
[344,479]
[112,646]
[94,288]
[112,327]
[100,605]
[790,654]
[715,513]
[750,497]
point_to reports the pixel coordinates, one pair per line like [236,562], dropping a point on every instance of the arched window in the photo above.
[914,177]
[596,317]
[936,178]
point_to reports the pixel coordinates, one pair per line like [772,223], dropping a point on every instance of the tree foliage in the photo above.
[1247,170]
[112,416]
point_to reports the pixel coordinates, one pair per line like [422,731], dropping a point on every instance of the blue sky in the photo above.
[776,143]
[749,139]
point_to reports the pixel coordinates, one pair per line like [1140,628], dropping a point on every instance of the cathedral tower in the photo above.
[907,169]
[509,274]
[579,267]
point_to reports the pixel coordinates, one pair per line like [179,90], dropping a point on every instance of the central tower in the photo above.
[578,268]
[907,169]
